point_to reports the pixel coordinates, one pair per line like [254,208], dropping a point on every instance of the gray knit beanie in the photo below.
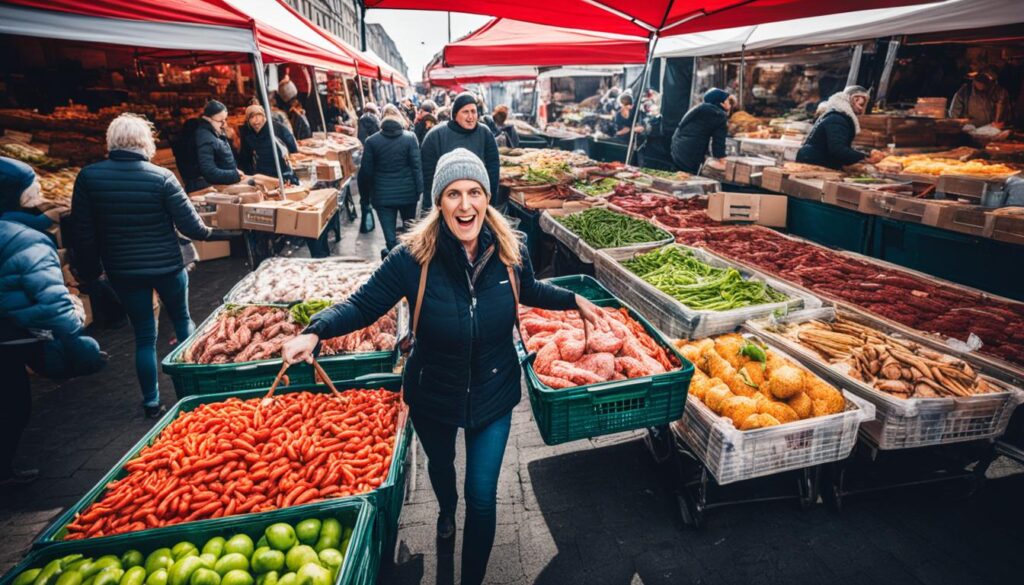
[457,165]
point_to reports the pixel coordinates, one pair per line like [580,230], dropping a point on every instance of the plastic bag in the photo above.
[367,224]
[973,343]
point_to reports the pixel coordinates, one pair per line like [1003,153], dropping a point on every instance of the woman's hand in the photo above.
[299,349]
[56,213]
[591,313]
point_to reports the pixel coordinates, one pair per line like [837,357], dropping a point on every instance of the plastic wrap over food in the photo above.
[677,320]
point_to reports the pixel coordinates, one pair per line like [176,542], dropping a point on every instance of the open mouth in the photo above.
[465,221]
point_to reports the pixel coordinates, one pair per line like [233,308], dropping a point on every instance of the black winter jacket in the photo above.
[391,173]
[702,123]
[256,154]
[509,130]
[216,161]
[300,123]
[369,125]
[445,138]
[828,143]
[125,211]
[463,369]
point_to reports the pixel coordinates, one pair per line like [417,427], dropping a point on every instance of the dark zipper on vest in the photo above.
[472,321]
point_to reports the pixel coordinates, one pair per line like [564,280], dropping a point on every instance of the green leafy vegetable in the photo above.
[303,312]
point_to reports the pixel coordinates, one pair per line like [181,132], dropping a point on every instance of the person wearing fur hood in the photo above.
[829,142]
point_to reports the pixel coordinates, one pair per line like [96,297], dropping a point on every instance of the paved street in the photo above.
[589,512]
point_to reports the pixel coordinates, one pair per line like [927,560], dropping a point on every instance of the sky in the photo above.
[420,34]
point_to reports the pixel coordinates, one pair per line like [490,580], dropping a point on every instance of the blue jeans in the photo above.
[136,294]
[387,216]
[485,448]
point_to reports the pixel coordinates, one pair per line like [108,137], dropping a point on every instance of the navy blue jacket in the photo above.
[703,123]
[445,138]
[463,369]
[390,172]
[369,124]
[216,161]
[126,210]
[256,154]
[828,143]
[32,291]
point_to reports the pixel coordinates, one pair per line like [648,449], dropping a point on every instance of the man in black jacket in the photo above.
[214,158]
[704,122]
[256,154]
[391,176]
[462,131]
[829,142]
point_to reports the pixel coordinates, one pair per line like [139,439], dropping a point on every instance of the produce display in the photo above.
[282,281]
[923,164]
[56,187]
[753,386]
[921,304]
[31,156]
[540,166]
[598,188]
[698,285]
[601,228]
[669,211]
[241,456]
[310,552]
[254,332]
[567,356]
[669,175]
[898,367]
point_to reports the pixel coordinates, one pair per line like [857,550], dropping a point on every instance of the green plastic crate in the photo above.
[387,499]
[609,407]
[197,379]
[358,512]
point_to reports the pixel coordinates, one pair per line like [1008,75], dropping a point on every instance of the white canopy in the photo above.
[847,27]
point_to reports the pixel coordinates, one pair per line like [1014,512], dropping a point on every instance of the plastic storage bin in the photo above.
[584,251]
[387,499]
[192,379]
[732,455]
[609,407]
[246,290]
[678,320]
[913,422]
[360,555]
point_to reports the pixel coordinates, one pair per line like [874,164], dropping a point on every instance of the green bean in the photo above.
[601,228]
[699,285]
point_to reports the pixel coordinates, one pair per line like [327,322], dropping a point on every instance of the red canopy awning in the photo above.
[632,17]
[503,41]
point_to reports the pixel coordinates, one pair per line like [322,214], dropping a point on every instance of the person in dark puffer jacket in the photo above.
[214,158]
[33,300]
[463,370]
[704,122]
[126,211]
[256,154]
[391,175]
[369,122]
[829,143]
[462,131]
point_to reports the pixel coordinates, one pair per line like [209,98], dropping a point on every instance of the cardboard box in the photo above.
[202,192]
[961,217]
[1006,225]
[768,210]
[295,193]
[211,250]
[266,181]
[926,211]
[959,186]
[847,195]
[260,216]
[209,218]
[774,178]
[811,189]
[745,170]
[328,170]
[307,218]
[229,216]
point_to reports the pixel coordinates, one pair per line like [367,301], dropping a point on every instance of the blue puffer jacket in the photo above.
[125,213]
[32,291]
[390,172]
[463,369]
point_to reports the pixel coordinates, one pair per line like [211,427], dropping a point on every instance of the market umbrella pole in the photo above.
[646,79]
[257,65]
[319,106]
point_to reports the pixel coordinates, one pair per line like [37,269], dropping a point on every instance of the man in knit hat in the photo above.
[705,123]
[462,131]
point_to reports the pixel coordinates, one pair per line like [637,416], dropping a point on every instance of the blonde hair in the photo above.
[422,239]
[392,113]
[131,132]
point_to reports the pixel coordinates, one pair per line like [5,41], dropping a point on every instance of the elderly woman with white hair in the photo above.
[829,143]
[127,214]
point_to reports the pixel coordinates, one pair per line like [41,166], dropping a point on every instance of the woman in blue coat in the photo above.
[463,371]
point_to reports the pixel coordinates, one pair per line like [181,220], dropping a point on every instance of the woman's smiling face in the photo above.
[463,206]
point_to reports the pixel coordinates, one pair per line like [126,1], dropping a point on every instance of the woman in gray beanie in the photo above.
[465,270]
[829,143]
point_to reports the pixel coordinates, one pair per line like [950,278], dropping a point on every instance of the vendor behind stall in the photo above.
[207,158]
[626,117]
[708,121]
[982,100]
[257,152]
[829,142]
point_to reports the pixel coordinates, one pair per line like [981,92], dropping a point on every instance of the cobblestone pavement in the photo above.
[588,512]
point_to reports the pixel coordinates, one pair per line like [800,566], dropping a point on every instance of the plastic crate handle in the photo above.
[600,393]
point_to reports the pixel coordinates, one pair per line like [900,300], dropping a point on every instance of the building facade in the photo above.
[339,18]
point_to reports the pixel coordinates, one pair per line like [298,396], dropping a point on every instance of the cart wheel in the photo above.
[689,512]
